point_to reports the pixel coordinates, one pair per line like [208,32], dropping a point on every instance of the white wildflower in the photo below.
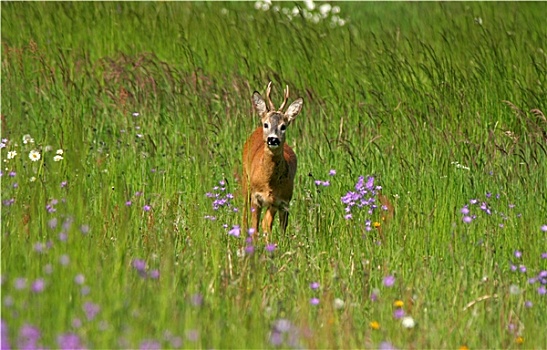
[12,154]
[325,9]
[32,179]
[408,322]
[27,139]
[310,4]
[514,289]
[58,158]
[338,303]
[59,152]
[34,155]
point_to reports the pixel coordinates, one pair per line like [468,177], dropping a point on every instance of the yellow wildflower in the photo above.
[398,303]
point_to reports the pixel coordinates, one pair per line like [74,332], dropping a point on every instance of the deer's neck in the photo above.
[274,162]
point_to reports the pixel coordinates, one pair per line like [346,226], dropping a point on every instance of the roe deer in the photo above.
[269,164]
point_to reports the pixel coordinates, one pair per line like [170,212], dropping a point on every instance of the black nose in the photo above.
[273,141]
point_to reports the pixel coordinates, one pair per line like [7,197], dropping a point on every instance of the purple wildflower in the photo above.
[332,172]
[8,202]
[465,210]
[196,299]
[518,254]
[139,265]
[235,231]
[79,279]
[467,219]
[314,285]
[149,345]
[544,228]
[128,203]
[542,290]
[154,274]
[386,346]
[374,294]
[52,223]
[69,341]
[192,335]
[20,283]
[38,285]
[176,342]
[4,336]
[485,208]
[270,247]
[28,337]
[389,281]
[39,247]
[398,313]
[249,249]
[64,260]
[314,301]
[146,207]
[84,229]
[76,323]
[91,310]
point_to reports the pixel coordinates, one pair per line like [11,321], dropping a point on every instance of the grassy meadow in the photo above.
[123,125]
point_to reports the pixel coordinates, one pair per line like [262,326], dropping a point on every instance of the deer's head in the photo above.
[275,121]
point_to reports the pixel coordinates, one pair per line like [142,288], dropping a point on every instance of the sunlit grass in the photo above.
[122,131]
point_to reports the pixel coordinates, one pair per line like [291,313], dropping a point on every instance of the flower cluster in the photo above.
[310,12]
[140,266]
[363,198]
[285,334]
[537,280]
[33,154]
[221,199]
[325,183]
[477,207]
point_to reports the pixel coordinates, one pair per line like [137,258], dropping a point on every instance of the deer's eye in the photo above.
[266,126]
[283,127]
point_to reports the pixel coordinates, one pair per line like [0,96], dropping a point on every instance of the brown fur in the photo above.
[269,172]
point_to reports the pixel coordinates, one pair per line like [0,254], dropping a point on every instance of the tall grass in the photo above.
[118,245]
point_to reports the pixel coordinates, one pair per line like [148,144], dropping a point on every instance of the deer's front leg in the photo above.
[283,219]
[256,210]
[267,223]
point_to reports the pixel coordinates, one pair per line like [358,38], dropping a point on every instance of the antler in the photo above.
[270,103]
[285,99]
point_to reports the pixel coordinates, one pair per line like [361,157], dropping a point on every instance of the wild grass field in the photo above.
[122,130]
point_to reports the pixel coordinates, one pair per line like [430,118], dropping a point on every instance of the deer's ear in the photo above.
[293,110]
[259,104]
